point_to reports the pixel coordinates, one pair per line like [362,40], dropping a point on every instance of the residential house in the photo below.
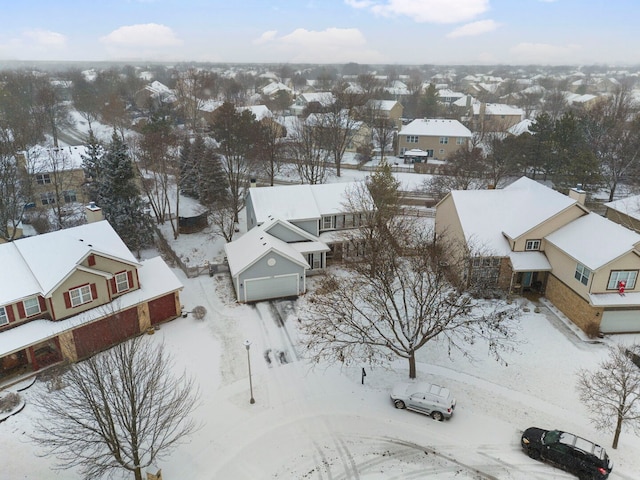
[57,175]
[68,294]
[494,117]
[528,237]
[390,109]
[357,133]
[625,211]
[312,101]
[154,94]
[292,231]
[438,137]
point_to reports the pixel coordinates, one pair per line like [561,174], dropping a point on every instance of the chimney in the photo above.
[93,213]
[578,194]
[252,183]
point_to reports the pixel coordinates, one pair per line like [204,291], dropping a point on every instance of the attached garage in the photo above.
[620,321]
[278,286]
[97,336]
[162,308]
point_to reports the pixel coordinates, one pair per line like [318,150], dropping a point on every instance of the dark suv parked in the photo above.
[567,451]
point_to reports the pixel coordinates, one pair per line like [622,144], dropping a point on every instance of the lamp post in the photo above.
[247,344]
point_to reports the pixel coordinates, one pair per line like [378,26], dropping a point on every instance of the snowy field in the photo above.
[323,423]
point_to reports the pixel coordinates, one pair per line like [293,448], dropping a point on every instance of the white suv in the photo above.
[425,398]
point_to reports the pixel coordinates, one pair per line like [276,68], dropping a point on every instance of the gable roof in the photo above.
[594,240]
[629,206]
[436,127]
[486,216]
[41,262]
[299,202]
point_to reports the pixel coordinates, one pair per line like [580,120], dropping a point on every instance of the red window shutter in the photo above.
[114,288]
[130,278]
[94,291]
[67,299]
[92,260]
[43,304]
[9,310]
[21,313]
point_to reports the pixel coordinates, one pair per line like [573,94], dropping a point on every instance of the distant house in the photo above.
[314,101]
[68,294]
[527,237]
[292,231]
[438,137]
[494,117]
[625,211]
[154,94]
[391,109]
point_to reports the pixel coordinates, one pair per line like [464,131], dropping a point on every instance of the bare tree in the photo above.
[122,409]
[53,110]
[612,392]
[12,182]
[222,217]
[270,148]
[395,298]
[306,150]
[383,128]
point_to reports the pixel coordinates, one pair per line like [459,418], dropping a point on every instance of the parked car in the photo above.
[424,398]
[567,451]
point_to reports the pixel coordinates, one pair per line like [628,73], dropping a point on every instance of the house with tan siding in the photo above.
[68,294]
[528,237]
[438,137]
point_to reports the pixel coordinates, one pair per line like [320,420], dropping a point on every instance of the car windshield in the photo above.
[551,437]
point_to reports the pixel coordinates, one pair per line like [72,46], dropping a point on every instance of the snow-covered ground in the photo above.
[322,423]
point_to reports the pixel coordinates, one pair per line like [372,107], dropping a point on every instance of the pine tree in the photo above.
[91,164]
[213,183]
[119,196]
[188,173]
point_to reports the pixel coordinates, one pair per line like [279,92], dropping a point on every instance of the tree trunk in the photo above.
[616,435]
[137,473]
[412,365]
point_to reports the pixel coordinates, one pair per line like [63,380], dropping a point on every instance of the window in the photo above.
[70,196]
[327,223]
[442,151]
[48,198]
[412,139]
[532,245]
[80,295]
[31,306]
[122,282]
[582,274]
[43,179]
[626,276]
[444,140]
[4,318]
[460,141]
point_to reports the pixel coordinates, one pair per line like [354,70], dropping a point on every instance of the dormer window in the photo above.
[31,306]
[122,282]
[80,295]
[532,245]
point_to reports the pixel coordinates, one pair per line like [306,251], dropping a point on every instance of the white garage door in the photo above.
[620,321]
[271,287]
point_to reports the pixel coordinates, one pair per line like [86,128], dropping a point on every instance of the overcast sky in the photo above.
[324,31]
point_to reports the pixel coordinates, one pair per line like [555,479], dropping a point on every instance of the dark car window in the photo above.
[551,437]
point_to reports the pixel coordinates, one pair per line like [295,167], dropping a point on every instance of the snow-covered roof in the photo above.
[382,105]
[436,127]
[520,127]
[43,160]
[529,262]
[629,206]
[299,202]
[259,111]
[486,216]
[253,245]
[156,280]
[594,240]
[497,109]
[41,262]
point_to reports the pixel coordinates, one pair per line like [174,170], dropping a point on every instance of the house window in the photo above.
[327,223]
[626,276]
[412,139]
[122,282]
[532,245]
[80,295]
[460,141]
[441,151]
[48,198]
[70,196]
[31,306]
[444,140]
[43,179]
[582,274]
[4,318]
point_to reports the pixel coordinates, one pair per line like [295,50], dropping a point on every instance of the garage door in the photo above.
[620,321]
[271,287]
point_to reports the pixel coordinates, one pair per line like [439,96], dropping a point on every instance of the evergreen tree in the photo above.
[213,186]
[119,196]
[91,164]
[188,172]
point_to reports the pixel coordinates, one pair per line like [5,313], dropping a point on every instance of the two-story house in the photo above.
[529,237]
[292,231]
[439,138]
[68,294]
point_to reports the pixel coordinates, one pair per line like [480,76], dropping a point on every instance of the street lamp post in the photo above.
[247,344]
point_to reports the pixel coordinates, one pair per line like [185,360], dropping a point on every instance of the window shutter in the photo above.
[114,288]
[130,278]
[21,313]
[43,304]
[9,310]
[92,260]
[94,291]
[67,299]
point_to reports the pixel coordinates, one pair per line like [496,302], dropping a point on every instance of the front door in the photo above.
[527,278]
